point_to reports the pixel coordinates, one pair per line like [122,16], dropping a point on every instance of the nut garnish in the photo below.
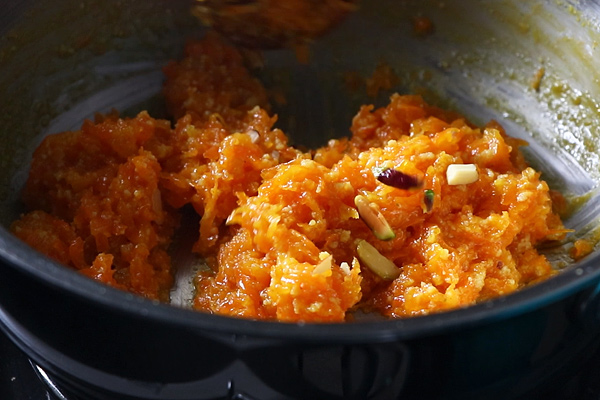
[428,197]
[376,262]
[324,267]
[400,180]
[373,218]
[461,174]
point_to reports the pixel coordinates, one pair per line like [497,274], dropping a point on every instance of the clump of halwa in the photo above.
[476,241]
[273,23]
[212,79]
[104,199]
[377,221]
[98,203]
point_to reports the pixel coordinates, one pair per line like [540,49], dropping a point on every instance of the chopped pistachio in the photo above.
[376,262]
[428,197]
[373,218]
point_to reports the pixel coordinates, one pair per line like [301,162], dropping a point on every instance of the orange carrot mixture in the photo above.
[417,212]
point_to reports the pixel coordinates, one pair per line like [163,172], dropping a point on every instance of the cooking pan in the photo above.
[529,65]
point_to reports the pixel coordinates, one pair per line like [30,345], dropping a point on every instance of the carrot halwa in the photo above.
[273,23]
[377,221]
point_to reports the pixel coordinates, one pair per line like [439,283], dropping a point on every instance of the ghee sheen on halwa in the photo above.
[377,222]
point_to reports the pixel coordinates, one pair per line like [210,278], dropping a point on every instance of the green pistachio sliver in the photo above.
[376,262]
[428,197]
[373,218]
